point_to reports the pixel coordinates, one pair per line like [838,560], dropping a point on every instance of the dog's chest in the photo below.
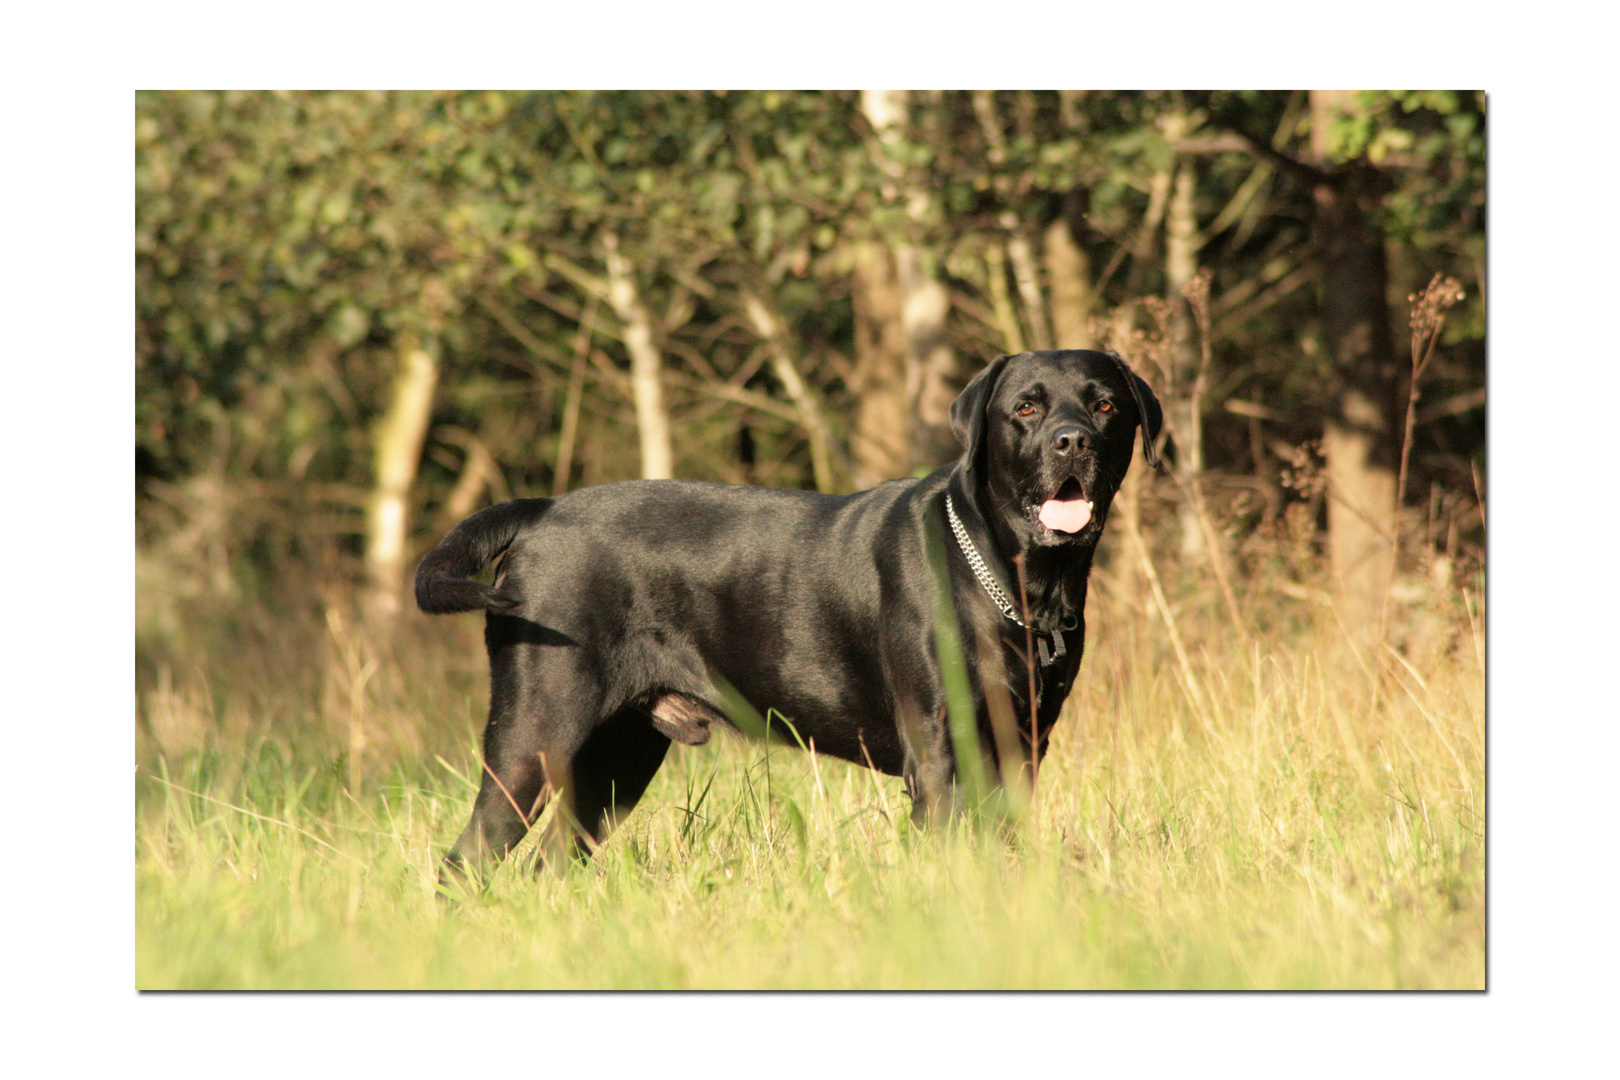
[1049,668]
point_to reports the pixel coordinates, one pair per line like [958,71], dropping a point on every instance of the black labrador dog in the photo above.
[631,614]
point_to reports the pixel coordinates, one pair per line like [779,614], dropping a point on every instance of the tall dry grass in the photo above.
[1265,810]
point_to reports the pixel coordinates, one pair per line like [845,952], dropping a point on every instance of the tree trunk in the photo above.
[1180,265]
[1073,297]
[478,472]
[1358,437]
[397,450]
[880,445]
[646,365]
[995,265]
[928,362]
[1021,254]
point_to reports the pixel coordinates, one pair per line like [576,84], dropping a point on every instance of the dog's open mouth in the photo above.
[1068,510]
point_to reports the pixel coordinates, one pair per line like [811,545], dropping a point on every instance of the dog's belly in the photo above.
[779,594]
[800,638]
[830,704]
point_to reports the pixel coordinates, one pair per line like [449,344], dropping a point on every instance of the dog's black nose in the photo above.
[1070,439]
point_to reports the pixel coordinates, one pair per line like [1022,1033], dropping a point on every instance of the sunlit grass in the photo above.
[1291,831]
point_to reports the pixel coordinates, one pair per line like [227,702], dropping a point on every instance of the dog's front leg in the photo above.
[930,766]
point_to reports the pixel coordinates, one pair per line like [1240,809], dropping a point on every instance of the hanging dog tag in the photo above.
[1058,649]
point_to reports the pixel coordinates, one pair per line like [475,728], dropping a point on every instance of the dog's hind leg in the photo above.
[513,792]
[606,778]
[543,707]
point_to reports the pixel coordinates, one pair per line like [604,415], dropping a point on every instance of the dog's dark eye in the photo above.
[1026,408]
[1105,406]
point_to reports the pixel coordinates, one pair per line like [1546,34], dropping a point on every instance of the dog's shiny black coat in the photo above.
[614,607]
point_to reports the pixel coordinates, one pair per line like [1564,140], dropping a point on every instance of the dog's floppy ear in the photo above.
[1147,407]
[967,411]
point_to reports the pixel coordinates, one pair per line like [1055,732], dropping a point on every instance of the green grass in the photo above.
[1290,832]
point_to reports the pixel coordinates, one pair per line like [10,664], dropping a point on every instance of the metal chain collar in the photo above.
[1000,598]
[980,571]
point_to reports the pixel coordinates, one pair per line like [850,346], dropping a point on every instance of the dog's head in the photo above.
[1047,437]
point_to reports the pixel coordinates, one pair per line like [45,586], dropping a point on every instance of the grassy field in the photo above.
[1266,815]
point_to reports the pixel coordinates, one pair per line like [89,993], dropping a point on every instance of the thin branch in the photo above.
[524,336]
[772,327]
[587,282]
[1264,149]
[1195,692]
[571,403]
[1428,319]
[1467,401]
[509,797]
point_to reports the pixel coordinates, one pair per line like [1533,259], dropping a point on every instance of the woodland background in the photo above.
[361,316]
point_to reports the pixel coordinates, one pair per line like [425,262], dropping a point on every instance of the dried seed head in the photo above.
[1429,306]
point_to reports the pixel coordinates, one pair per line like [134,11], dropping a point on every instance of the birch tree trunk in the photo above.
[1020,252]
[1068,270]
[397,451]
[929,363]
[1073,297]
[1181,265]
[768,324]
[646,365]
[879,444]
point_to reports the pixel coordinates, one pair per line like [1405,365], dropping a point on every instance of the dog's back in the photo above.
[659,585]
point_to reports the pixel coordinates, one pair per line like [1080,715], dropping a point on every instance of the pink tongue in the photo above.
[1065,515]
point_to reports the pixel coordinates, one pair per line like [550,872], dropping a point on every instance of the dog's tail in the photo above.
[444,580]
